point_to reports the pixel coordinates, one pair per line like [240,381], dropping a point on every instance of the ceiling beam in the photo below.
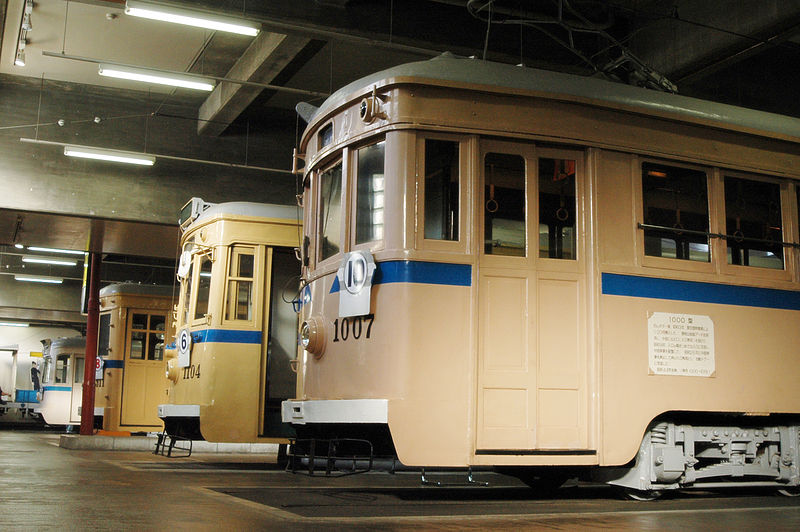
[262,62]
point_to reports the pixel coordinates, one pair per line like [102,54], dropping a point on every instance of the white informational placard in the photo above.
[681,344]
[98,368]
[184,346]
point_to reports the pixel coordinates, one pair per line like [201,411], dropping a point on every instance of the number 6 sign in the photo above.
[184,348]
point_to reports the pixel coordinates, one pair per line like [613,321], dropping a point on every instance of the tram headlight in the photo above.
[312,336]
[172,370]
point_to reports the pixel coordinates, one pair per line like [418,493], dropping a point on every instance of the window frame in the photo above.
[341,157]
[666,263]
[148,330]
[350,214]
[235,249]
[468,146]
[788,233]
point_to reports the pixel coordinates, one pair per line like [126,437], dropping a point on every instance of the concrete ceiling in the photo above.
[744,52]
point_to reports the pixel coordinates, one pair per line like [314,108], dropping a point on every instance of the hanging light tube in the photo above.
[38,279]
[56,261]
[13,324]
[102,154]
[153,76]
[56,250]
[155,11]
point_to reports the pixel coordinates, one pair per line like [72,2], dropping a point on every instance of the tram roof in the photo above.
[448,69]
[136,289]
[70,341]
[246,208]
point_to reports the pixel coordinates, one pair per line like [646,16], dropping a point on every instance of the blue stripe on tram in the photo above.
[405,271]
[57,389]
[113,364]
[698,292]
[226,336]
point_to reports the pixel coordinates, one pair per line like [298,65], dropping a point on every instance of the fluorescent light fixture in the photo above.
[38,279]
[19,246]
[20,59]
[153,76]
[102,154]
[56,250]
[49,260]
[13,324]
[155,11]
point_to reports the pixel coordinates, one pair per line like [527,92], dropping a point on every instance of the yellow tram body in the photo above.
[134,321]
[554,273]
[234,329]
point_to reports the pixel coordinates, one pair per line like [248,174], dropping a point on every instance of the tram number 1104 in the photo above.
[356,328]
[191,372]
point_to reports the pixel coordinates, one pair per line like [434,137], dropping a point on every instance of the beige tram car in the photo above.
[513,267]
[131,338]
[236,337]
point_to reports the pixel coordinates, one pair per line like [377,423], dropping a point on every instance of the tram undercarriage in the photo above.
[679,456]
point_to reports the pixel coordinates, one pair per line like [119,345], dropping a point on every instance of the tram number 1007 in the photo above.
[355,328]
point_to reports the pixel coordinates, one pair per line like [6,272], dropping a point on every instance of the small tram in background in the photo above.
[131,338]
[236,335]
[62,382]
[542,272]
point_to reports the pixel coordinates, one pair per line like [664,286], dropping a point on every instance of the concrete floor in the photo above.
[44,486]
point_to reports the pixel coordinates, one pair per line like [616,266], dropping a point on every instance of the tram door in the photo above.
[143,381]
[77,388]
[532,300]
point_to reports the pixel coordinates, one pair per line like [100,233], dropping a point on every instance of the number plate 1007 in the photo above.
[356,328]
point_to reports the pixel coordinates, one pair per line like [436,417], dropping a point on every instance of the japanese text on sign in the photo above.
[681,344]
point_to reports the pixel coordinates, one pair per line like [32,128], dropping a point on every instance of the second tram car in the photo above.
[236,338]
[62,382]
[518,268]
[132,330]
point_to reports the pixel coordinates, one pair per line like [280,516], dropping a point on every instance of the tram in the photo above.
[62,382]
[535,271]
[236,342]
[131,334]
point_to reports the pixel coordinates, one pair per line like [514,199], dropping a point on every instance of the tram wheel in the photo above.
[642,495]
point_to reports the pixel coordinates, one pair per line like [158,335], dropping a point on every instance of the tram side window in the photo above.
[676,212]
[62,368]
[103,336]
[77,376]
[239,305]
[155,341]
[557,208]
[441,189]
[187,293]
[203,288]
[369,193]
[753,223]
[504,205]
[330,212]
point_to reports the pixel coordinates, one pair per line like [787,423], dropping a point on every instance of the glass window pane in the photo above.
[282,346]
[557,208]
[139,321]
[245,266]
[241,293]
[330,212]
[137,345]
[77,377]
[369,193]
[62,365]
[504,205]
[203,288]
[187,293]
[103,336]
[441,189]
[753,223]
[155,346]
[674,199]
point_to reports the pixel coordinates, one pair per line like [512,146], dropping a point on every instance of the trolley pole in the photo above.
[92,319]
